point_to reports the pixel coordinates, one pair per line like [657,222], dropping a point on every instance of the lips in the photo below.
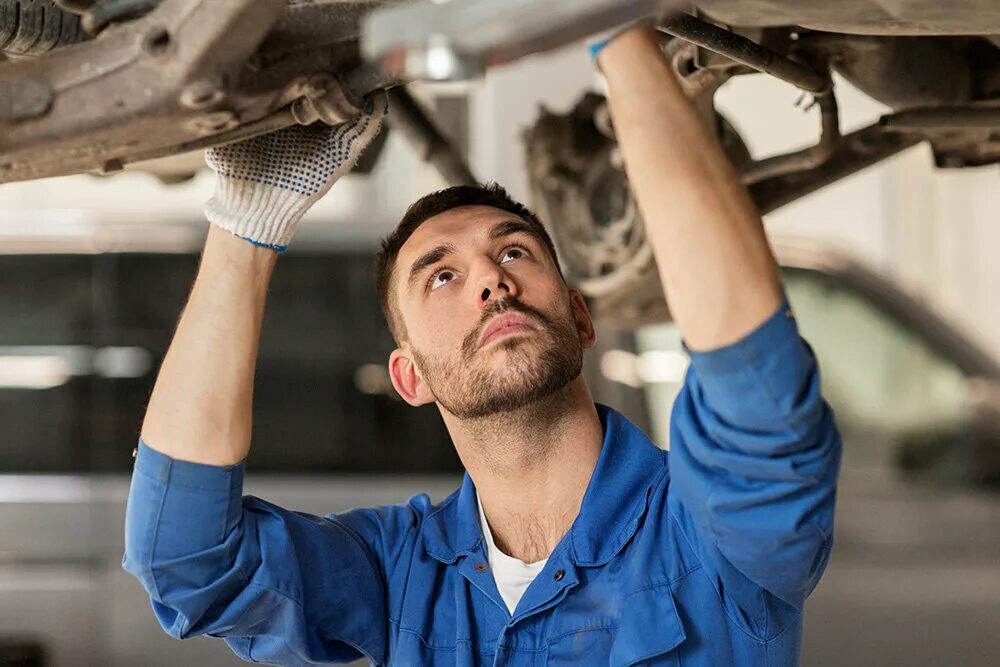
[505,325]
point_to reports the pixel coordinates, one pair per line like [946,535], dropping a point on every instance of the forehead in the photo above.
[454,226]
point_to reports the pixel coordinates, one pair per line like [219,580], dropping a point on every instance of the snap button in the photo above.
[560,574]
[480,567]
[135,452]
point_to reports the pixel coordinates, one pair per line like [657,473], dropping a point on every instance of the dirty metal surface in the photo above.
[863,17]
[187,71]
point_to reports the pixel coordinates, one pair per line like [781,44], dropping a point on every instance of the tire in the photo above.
[34,27]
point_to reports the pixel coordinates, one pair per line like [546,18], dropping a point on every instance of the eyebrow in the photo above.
[436,254]
[429,258]
[513,226]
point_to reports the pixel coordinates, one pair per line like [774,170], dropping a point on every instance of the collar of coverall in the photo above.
[613,505]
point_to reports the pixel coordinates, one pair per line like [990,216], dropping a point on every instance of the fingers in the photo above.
[347,141]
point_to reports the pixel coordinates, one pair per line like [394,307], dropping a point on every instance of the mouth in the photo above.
[504,326]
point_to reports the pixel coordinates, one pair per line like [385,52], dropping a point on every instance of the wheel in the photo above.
[33,27]
[579,189]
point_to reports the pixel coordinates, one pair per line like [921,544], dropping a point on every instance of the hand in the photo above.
[266,184]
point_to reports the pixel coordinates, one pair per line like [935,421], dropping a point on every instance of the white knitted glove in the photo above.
[265,185]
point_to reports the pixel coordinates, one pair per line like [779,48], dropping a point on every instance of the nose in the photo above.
[494,283]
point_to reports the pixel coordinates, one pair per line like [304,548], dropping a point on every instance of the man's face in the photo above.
[490,326]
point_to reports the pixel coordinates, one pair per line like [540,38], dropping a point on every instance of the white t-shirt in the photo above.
[512,575]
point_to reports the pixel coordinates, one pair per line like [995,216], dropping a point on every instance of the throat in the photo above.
[529,540]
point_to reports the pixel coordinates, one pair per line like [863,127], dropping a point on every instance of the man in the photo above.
[573,539]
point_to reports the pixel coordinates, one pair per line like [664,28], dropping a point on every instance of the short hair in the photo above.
[430,205]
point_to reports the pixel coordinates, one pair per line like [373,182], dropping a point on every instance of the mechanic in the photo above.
[573,540]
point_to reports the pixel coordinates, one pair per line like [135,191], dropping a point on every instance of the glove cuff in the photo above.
[264,215]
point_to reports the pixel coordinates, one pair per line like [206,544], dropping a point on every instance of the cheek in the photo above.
[441,324]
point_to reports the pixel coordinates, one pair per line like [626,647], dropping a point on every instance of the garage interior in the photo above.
[893,271]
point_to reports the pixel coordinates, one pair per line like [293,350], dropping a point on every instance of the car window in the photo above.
[900,405]
[99,325]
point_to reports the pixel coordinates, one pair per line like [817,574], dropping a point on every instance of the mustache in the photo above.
[469,344]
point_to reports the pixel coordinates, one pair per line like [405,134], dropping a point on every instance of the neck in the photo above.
[531,467]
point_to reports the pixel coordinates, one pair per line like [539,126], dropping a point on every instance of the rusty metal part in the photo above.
[808,158]
[138,65]
[187,71]
[954,118]
[459,39]
[363,79]
[701,83]
[323,99]
[868,17]
[900,72]
[854,152]
[409,116]
[580,190]
[24,98]
[742,50]
[276,121]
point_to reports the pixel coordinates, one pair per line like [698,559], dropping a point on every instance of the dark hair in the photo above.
[435,203]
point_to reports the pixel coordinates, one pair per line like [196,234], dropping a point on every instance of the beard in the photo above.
[535,368]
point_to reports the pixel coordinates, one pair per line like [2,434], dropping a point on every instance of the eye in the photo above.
[440,278]
[512,253]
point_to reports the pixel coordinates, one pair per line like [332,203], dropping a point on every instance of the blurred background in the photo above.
[893,273]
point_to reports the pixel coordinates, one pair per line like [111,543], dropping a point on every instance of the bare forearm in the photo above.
[200,408]
[717,270]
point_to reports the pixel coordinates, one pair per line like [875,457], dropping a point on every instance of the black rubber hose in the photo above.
[742,50]
[106,12]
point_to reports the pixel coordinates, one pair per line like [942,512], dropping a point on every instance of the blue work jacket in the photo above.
[702,556]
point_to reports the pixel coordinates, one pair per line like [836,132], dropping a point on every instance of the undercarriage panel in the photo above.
[863,17]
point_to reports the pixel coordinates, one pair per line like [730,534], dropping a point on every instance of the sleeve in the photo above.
[754,457]
[279,586]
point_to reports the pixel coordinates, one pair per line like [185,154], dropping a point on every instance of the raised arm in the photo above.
[280,586]
[717,270]
[200,408]
[754,451]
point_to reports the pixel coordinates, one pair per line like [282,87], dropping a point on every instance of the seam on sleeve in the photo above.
[156,532]
[250,650]
[137,471]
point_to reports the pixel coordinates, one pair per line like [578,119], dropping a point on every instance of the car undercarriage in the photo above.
[93,85]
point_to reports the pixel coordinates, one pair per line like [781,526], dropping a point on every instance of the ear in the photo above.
[584,323]
[406,379]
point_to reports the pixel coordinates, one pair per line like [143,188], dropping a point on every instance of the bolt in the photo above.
[219,121]
[201,94]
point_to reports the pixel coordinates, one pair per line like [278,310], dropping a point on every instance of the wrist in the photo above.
[634,41]
[263,215]
[223,248]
